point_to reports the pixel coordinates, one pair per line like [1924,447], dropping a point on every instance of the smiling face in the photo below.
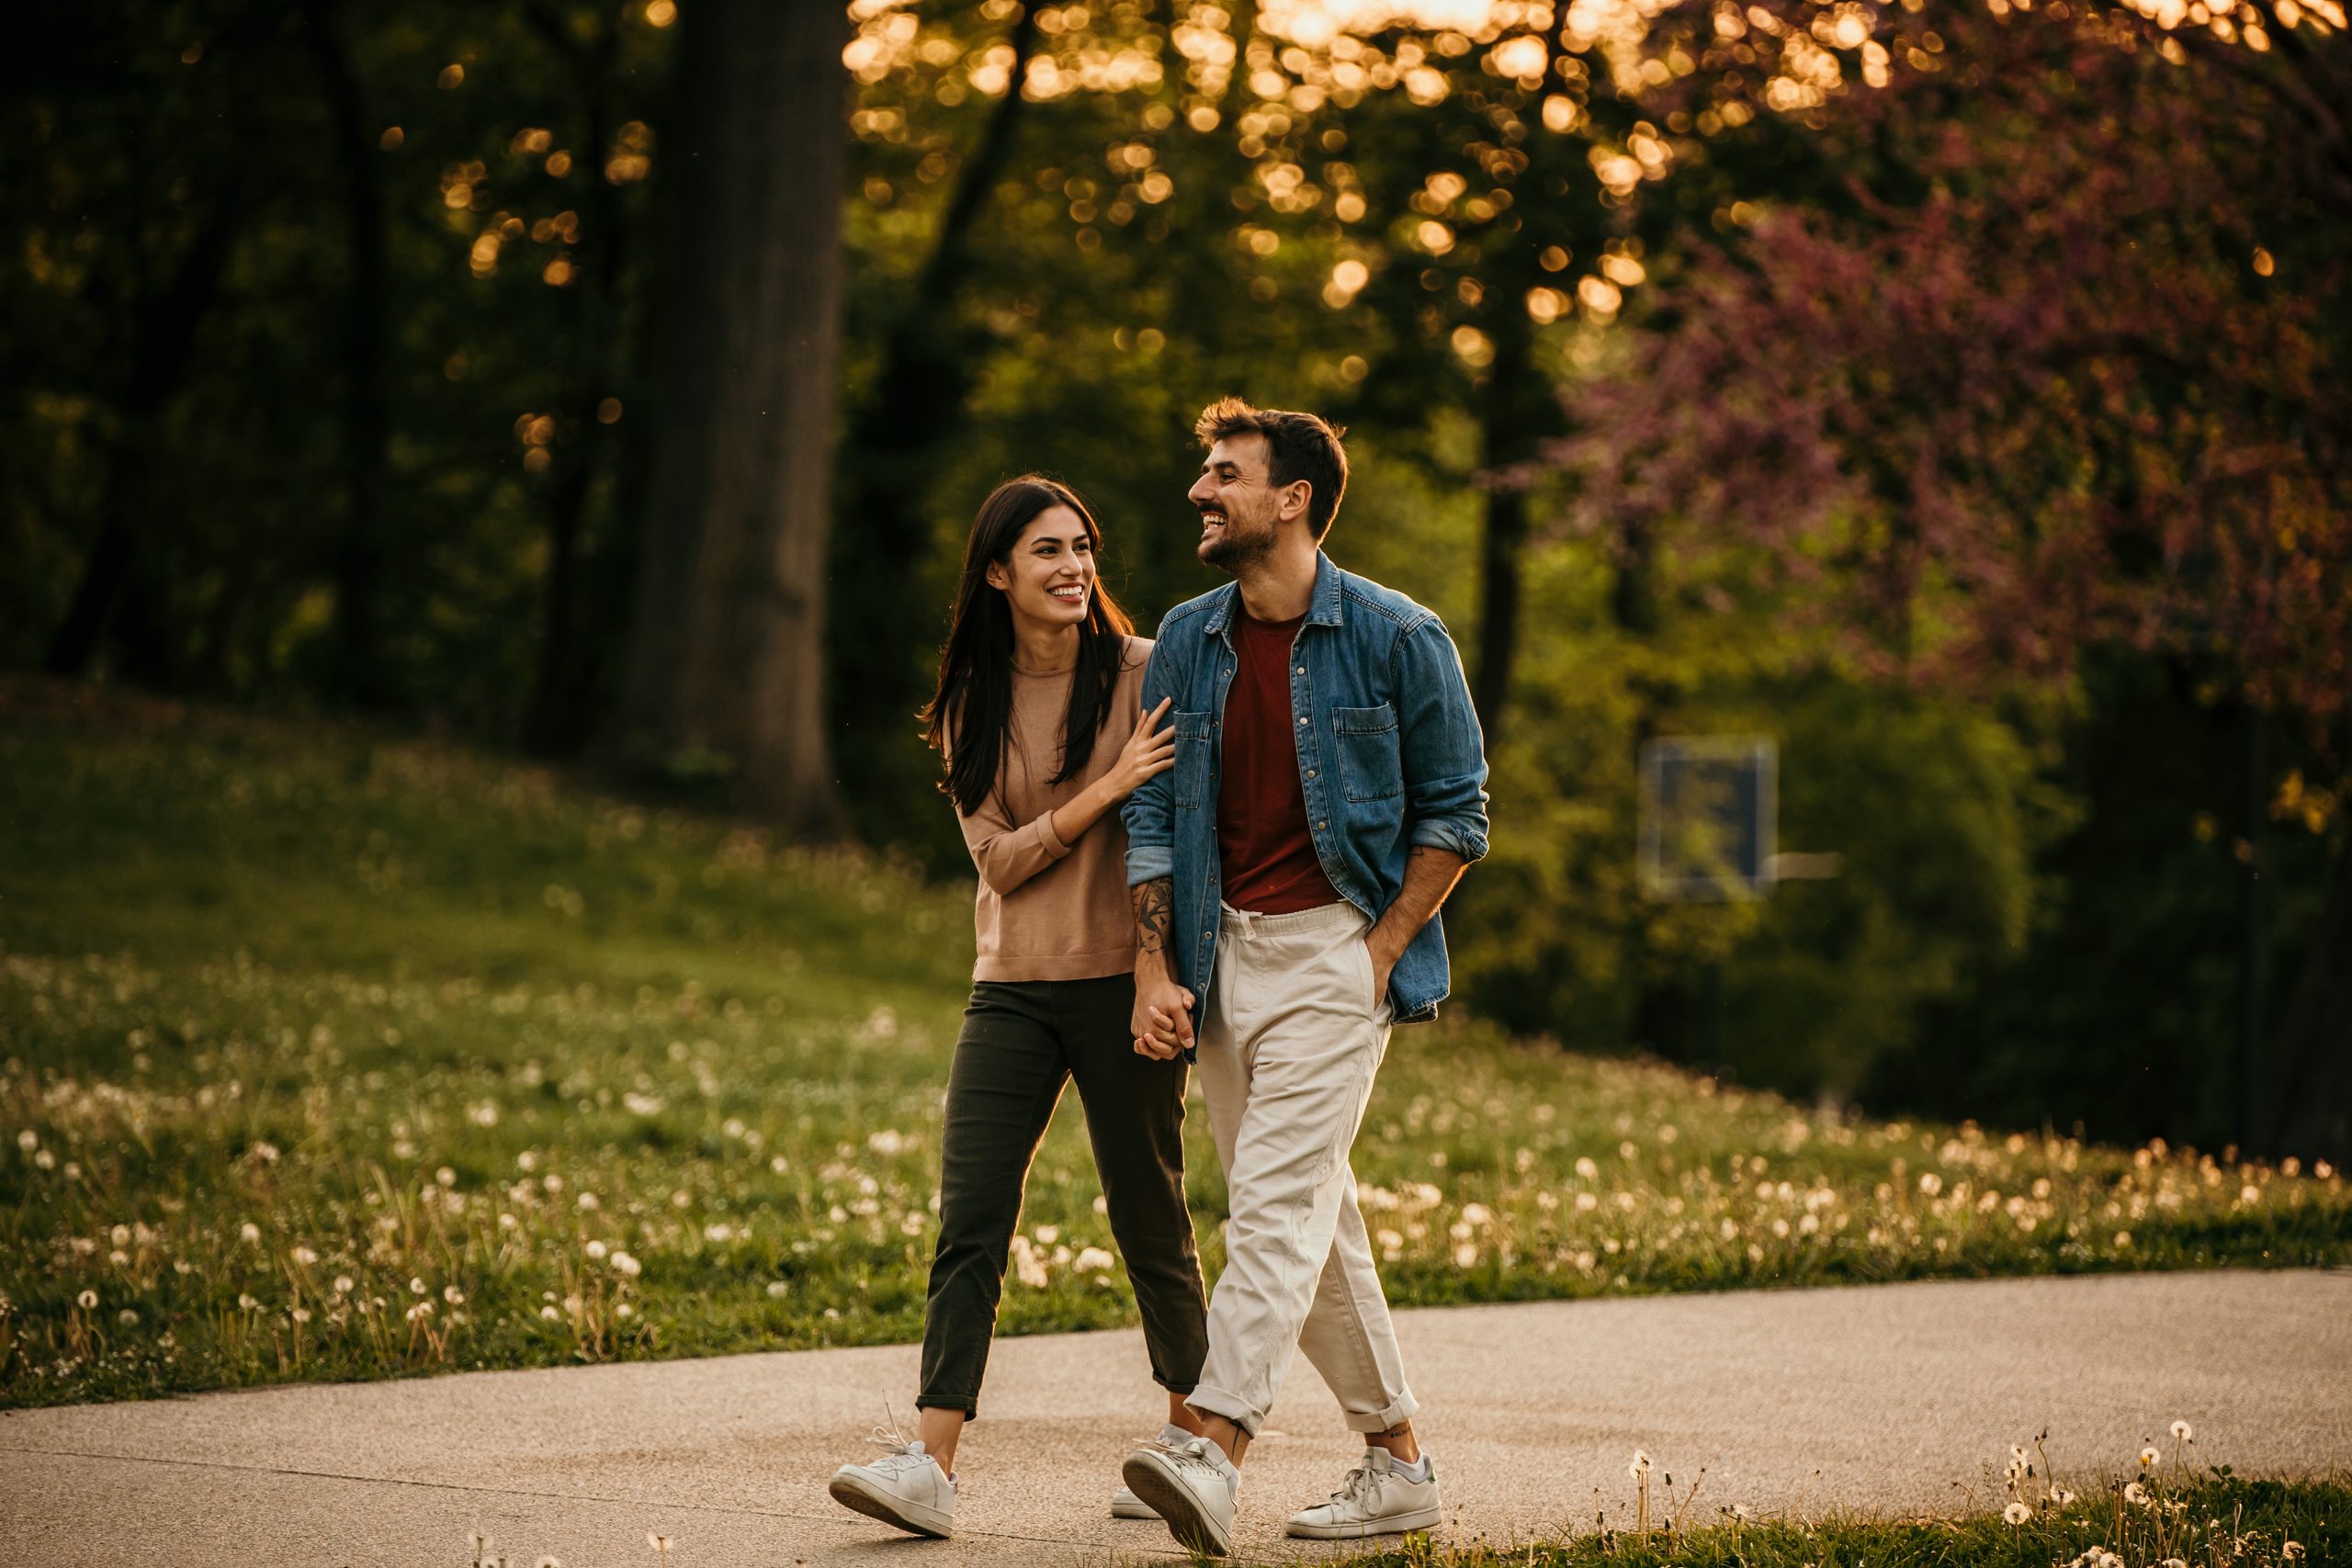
[1241,506]
[1048,576]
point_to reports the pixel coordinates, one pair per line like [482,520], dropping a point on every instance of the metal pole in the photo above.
[1716,1064]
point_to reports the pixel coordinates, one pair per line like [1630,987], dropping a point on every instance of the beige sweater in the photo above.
[1048,910]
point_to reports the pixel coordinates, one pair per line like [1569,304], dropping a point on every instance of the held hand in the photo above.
[1149,751]
[1383,964]
[1162,1019]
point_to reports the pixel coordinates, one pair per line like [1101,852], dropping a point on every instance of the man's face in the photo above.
[1238,503]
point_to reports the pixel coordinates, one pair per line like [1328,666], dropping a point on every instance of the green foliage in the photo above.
[323,1055]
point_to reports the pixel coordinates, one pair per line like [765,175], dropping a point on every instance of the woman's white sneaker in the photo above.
[1379,1497]
[1190,1485]
[1125,1503]
[905,1487]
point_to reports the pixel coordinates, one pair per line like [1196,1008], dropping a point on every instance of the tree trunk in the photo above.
[163,339]
[727,650]
[357,673]
[2309,1096]
[556,715]
[1519,411]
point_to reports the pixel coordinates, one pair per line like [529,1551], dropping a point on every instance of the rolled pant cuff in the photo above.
[1400,1412]
[1211,1400]
[970,1407]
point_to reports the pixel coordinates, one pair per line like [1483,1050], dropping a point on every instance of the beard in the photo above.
[1237,544]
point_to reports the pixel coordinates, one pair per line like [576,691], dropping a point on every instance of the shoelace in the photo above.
[900,1454]
[1360,1481]
[1190,1451]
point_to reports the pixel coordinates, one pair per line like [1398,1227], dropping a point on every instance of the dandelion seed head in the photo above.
[87,1300]
[2017,1513]
[2149,1456]
[2180,1429]
[250,1232]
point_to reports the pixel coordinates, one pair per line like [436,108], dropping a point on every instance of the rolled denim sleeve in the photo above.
[1443,752]
[1149,813]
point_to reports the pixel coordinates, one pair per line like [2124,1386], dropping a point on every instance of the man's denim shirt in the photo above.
[1389,756]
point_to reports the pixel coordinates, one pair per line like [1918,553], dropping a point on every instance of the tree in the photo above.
[727,650]
[2037,392]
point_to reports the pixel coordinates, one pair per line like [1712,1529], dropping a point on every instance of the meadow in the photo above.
[330,1054]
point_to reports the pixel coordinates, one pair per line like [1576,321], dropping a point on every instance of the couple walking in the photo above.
[1268,911]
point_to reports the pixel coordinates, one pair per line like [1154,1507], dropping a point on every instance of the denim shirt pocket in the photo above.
[1196,736]
[1370,766]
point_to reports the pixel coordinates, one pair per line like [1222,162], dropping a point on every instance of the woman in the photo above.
[1036,718]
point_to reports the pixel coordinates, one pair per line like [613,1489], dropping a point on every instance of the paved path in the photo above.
[1891,1394]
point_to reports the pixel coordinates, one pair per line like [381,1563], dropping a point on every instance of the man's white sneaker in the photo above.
[905,1487]
[1379,1497]
[1190,1485]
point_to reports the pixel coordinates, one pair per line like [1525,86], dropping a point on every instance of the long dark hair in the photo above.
[970,714]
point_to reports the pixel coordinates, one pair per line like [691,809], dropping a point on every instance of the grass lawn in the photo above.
[2215,1519]
[324,1056]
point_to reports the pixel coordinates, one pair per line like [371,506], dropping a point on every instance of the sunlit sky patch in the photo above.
[1314,22]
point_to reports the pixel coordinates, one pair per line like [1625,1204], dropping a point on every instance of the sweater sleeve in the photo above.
[1008,856]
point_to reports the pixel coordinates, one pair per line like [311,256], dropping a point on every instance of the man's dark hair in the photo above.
[1298,446]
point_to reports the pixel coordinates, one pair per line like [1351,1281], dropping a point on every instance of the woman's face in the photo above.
[1050,576]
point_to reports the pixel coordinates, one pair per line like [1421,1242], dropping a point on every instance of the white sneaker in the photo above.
[1377,1498]
[1190,1484]
[1125,1503]
[905,1487]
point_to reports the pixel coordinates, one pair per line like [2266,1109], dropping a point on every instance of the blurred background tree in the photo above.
[1947,388]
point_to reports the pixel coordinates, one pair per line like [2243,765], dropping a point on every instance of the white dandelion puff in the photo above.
[87,1300]
[2180,1429]
[2017,1513]
[626,1267]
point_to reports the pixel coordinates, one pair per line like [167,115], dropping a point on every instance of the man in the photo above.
[1329,787]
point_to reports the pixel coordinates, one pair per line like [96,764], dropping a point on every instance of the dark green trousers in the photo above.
[1021,1042]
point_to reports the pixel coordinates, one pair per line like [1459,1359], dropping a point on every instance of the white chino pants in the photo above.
[1288,1045]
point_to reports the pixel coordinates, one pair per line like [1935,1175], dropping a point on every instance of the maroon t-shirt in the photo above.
[1266,855]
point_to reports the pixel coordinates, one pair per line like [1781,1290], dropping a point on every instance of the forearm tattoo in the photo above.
[1155,913]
